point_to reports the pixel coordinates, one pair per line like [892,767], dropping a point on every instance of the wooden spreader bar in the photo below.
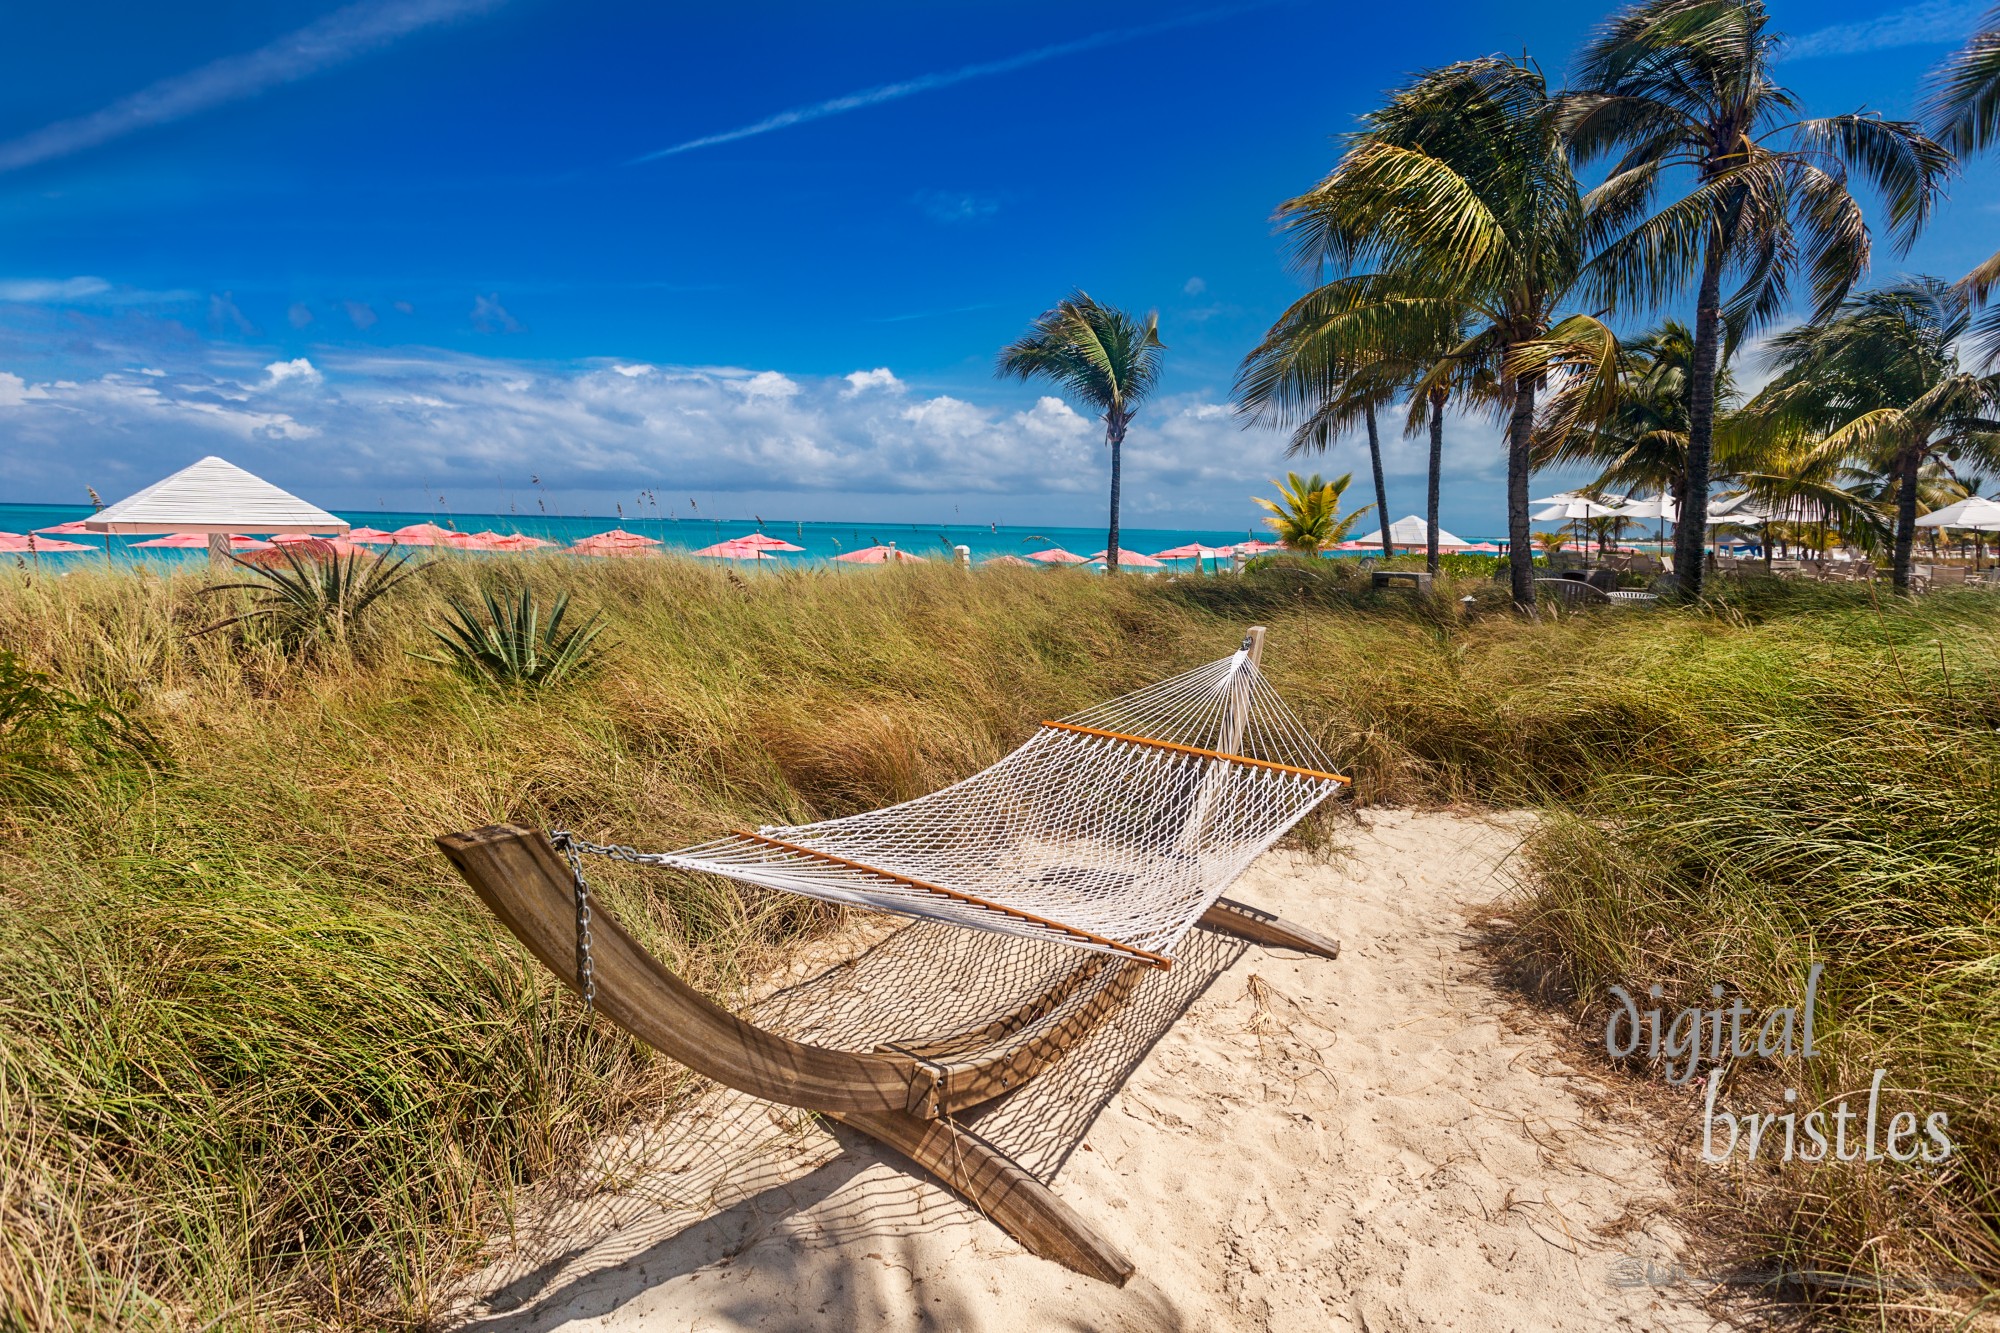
[1158,960]
[1178,748]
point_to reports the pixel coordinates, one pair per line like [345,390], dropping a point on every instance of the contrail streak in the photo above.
[924,83]
[339,37]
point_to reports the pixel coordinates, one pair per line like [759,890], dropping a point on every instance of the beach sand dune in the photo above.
[1275,1141]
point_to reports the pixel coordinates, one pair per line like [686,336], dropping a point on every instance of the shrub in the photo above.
[315,605]
[510,645]
[48,733]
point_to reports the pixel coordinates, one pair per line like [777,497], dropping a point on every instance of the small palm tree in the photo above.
[1964,111]
[1881,384]
[1306,515]
[1688,86]
[1104,358]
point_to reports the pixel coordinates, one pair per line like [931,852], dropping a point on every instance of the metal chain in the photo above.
[572,848]
[586,975]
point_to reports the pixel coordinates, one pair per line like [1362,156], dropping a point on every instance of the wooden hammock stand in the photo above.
[903,1093]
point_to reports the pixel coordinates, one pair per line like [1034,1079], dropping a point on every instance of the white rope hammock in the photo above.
[1113,829]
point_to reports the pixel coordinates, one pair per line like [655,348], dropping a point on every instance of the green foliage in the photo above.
[510,645]
[1306,515]
[1098,354]
[49,734]
[312,605]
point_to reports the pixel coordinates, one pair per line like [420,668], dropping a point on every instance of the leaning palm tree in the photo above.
[1685,89]
[1306,515]
[1963,107]
[1105,359]
[1457,204]
[1880,383]
[1333,358]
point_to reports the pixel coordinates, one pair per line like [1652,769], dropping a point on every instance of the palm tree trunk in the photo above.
[1114,435]
[1906,517]
[1437,469]
[1520,555]
[1691,537]
[1381,491]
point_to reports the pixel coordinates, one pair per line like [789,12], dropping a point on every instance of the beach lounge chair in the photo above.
[1113,832]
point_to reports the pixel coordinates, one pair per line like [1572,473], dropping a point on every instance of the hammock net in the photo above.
[1113,829]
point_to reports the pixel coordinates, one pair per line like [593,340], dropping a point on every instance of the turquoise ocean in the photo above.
[822,541]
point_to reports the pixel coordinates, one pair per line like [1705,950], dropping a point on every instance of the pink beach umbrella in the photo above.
[1194,551]
[34,544]
[516,541]
[372,536]
[880,555]
[1254,547]
[616,542]
[1007,560]
[422,534]
[740,549]
[1131,558]
[193,541]
[1055,555]
[64,529]
[763,543]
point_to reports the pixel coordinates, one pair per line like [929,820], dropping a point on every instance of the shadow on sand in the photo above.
[687,1194]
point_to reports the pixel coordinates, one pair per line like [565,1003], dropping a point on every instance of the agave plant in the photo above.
[510,645]
[314,604]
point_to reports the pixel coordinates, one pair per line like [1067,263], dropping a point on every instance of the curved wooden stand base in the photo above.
[901,1094]
[997,1186]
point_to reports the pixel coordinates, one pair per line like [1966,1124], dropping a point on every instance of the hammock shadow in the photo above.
[674,1197]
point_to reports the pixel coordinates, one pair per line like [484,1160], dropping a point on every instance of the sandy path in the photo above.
[1364,1144]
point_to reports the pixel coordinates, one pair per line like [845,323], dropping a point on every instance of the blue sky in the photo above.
[759,255]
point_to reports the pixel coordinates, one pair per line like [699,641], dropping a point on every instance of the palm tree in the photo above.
[1880,383]
[1685,87]
[1964,110]
[1306,515]
[1455,207]
[1105,359]
[1323,370]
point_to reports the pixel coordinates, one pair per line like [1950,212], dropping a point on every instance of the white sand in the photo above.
[1365,1144]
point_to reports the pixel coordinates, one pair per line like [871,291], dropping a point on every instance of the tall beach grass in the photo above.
[264,1062]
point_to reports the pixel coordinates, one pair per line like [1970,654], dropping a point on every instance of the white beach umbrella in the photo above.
[1653,508]
[1975,513]
[1410,530]
[1577,508]
[216,497]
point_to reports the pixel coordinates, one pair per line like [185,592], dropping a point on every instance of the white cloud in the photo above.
[634,371]
[39,290]
[766,384]
[361,314]
[392,423]
[1194,286]
[338,37]
[489,316]
[1939,22]
[299,315]
[298,368]
[881,377]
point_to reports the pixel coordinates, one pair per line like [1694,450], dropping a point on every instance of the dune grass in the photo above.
[264,1062]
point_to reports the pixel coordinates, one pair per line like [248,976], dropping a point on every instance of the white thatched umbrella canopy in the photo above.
[216,497]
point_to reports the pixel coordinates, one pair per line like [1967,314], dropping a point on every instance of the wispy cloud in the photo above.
[1929,22]
[924,83]
[335,39]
